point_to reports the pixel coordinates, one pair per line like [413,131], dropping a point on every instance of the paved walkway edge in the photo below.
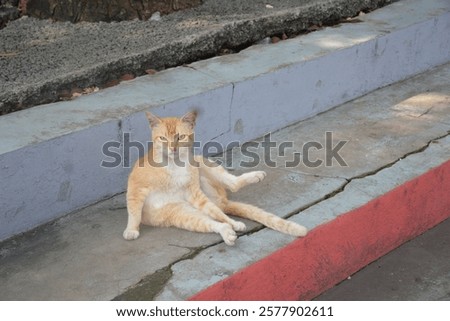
[333,251]
[50,155]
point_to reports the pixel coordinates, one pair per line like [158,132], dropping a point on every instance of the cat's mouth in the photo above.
[174,153]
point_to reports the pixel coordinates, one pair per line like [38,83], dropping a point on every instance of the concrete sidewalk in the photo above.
[394,135]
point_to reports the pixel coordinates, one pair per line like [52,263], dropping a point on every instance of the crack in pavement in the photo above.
[369,173]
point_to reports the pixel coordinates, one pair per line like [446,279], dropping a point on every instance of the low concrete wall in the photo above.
[51,156]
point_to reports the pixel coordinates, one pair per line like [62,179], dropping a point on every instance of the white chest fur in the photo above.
[180,175]
[175,191]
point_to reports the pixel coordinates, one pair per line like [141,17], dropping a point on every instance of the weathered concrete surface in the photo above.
[379,177]
[83,255]
[41,61]
[59,147]
[417,270]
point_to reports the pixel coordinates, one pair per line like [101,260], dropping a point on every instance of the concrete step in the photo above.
[394,135]
[51,156]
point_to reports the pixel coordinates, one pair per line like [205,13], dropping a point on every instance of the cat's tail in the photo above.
[270,220]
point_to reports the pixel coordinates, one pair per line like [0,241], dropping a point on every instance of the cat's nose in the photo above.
[173,146]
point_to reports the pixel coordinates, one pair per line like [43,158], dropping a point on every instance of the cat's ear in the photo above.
[190,118]
[152,119]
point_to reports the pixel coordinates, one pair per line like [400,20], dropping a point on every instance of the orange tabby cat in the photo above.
[171,187]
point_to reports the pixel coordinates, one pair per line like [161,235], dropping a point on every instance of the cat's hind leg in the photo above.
[199,200]
[183,215]
[247,179]
[268,219]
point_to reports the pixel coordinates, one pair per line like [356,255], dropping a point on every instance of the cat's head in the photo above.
[173,136]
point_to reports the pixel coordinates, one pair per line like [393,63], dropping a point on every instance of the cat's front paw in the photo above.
[246,179]
[130,234]
[254,177]
[238,226]
[228,234]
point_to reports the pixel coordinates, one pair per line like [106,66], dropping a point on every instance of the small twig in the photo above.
[8,54]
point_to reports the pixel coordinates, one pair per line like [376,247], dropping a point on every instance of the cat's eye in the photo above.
[181,137]
[162,138]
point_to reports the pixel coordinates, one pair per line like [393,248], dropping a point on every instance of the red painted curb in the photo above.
[333,251]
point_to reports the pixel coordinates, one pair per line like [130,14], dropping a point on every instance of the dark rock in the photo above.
[7,13]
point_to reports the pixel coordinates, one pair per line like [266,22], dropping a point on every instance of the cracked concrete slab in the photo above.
[83,256]
[360,190]
[220,261]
